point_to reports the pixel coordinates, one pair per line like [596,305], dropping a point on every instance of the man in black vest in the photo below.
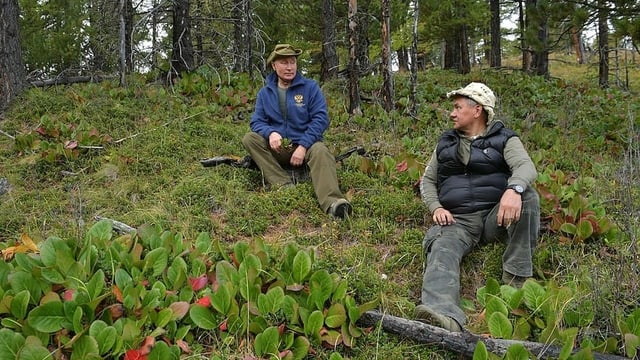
[478,187]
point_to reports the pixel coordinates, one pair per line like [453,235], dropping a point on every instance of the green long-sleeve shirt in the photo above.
[523,171]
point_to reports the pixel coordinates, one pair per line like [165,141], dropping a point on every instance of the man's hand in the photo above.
[442,216]
[298,156]
[510,208]
[275,142]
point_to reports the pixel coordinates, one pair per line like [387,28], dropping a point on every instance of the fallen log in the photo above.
[463,343]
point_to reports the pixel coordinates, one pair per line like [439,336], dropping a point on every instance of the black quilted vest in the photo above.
[480,184]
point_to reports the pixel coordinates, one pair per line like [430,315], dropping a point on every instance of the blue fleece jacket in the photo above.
[307,117]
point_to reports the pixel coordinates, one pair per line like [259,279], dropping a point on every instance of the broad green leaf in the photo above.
[177,273]
[21,280]
[267,342]
[320,288]
[569,338]
[95,286]
[313,324]
[49,250]
[48,317]
[77,319]
[226,273]
[240,250]
[19,304]
[500,326]
[480,352]
[300,347]
[123,278]
[104,334]
[164,317]
[157,260]
[101,231]
[34,350]
[301,267]
[162,351]
[52,275]
[584,229]
[86,347]
[271,302]
[203,243]
[496,305]
[290,309]
[340,291]
[203,317]
[332,337]
[534,295]
[522,329]
[363,308]
[10,343]
[222,298]
[335,356]
[631,345]
[336,316]
[517,352]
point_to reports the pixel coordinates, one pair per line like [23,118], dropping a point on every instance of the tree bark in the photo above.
[12,72]
[329,62]
[603,44]
[462,343]
[182,52]
[495,59]
[354,65]
[387,87]
[413,95]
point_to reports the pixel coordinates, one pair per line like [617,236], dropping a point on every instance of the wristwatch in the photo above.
[517,188]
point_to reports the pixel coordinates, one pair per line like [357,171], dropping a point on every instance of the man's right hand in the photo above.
[442,216]
[275,142]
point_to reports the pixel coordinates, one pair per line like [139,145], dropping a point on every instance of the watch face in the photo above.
[519,189]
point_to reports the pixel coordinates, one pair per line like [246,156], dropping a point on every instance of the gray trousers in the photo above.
[321,162]
[444,247]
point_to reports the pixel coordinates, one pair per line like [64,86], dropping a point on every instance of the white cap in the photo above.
[479,93]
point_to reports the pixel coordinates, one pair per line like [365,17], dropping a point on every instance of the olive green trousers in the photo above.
[445,246]
[321,163]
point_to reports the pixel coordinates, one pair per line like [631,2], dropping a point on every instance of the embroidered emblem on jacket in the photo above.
[299,99]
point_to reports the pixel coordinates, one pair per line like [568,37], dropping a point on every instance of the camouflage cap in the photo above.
[479,93]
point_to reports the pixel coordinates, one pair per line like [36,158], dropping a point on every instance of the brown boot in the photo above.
[425,314]
[513,280]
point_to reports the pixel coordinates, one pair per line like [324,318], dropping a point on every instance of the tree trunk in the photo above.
[462,343]
[387,87]
[182,52]
[354,66]
[603,44]
[413,95]
[523,21]
[495,58]
[12,73]
[122,36]
[238,35]
[541,53]
[329,62]
[576,38]
[362,50]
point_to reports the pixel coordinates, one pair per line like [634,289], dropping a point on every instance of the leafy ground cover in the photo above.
[72,155]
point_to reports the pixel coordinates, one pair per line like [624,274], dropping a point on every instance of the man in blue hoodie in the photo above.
[287,129]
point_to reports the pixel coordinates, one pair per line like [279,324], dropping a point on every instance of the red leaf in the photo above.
[117,293]
[134,354]
[70,144]
[205,301]
[402,166]
[68,294]
[223,326]
[184,346]
[198,283]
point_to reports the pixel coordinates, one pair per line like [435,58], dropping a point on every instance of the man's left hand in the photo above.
[298,156]
[510,208]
